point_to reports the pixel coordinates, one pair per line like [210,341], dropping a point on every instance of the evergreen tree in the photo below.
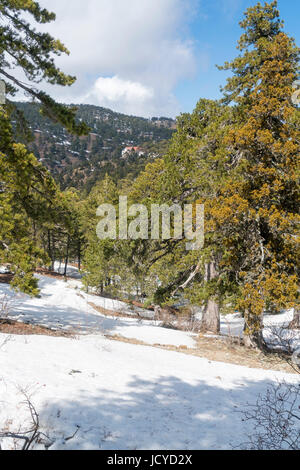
[242,162]
[99,254]
[191,172]
[257,210]
[23,47]
[28,195]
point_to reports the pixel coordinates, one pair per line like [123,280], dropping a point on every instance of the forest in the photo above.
[81,161]
[238,156]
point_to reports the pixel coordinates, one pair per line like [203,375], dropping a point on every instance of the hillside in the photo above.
[81,161]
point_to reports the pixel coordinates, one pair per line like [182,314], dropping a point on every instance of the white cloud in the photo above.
[121,95]
[114,89]
[129,55]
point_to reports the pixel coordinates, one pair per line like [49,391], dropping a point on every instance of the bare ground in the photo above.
[211,348]
[112,313]
[12,327]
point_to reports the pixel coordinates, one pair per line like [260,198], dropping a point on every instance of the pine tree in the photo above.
[23,47]
[27,193]
[242,162]
[257,211]
[29,197]
[191,172]
[99,254]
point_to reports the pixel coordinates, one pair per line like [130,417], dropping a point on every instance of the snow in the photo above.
[4,269]
[64,305]
[275,329]
[114,395]
[72,271]
[124,396]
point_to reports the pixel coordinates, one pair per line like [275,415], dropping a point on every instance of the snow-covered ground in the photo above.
[124,396]
[72,271]
[276,332]
[114,395]
[275,326]
[64,305]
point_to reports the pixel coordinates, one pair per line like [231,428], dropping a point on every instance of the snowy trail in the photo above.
[64,305]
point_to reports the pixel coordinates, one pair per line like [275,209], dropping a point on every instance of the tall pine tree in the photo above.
[257,210]
[27,192]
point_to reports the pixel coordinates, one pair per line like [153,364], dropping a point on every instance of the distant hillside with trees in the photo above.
[80,161]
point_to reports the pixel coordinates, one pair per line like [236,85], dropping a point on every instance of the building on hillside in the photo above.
[130,150]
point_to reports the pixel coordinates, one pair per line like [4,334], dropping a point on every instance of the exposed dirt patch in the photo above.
[137,304]
[5,278]
[218,349]
[113,313]
[12,327]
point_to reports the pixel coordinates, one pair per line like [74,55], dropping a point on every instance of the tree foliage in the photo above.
[240,158]
[24,48]
[30,200]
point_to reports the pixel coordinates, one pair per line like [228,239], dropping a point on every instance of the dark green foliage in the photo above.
[81,162]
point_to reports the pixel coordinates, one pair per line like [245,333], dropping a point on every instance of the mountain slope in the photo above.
[81,161]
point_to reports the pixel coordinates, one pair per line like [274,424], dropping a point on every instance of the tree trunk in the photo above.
[211,315]
[34,232]
[253,331]
[51,248]
[53,252]
[67,256]
[79,254]
[211,318]
[49,245]
[295,323]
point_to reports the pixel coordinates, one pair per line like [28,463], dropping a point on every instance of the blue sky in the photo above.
[215,31]
[150,57]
